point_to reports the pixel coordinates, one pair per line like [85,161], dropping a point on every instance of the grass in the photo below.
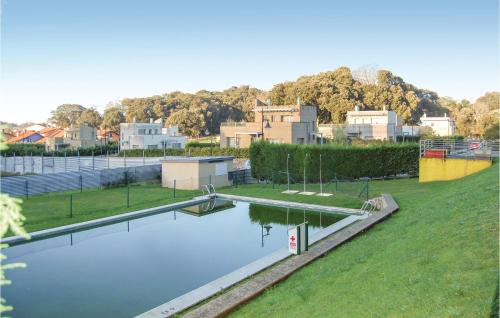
[52,210]
[436,257]
[345,196]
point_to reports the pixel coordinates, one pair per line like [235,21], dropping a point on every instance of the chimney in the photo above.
[269,102]
[299,101]
[384,107]
[150,120]
[356,108]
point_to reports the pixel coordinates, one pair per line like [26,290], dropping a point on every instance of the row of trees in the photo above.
[334,93]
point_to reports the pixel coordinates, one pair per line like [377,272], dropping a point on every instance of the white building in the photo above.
[442,126]
[373,124]
[150,136]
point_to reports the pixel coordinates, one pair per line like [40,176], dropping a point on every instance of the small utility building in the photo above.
[190,173]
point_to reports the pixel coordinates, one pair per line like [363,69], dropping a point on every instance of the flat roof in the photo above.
[198,159]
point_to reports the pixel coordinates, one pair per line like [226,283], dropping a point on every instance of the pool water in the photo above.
[127,268]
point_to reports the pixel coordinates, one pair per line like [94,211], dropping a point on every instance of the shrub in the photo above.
[28,149]
[196,151]
[342,161]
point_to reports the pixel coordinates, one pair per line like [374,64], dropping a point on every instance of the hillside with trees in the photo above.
[334,93]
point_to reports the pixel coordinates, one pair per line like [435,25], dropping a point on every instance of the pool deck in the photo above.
[330,238]
[293,205]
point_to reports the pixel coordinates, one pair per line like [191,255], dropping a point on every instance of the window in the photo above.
[300,141]
[231,142]
[286,118]
[135,146]
[151,131]
[142,131]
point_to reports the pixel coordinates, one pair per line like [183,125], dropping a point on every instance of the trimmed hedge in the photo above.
[197,144]
[27,149]
[372,161]
[196,151]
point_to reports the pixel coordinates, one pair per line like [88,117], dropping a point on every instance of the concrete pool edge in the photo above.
[101,221]
[210,289]
[293,205]
[232,299]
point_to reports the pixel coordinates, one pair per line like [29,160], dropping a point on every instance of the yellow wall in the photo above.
[437,169]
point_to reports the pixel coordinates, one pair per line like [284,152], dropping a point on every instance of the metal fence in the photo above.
[54,182]
[46,165]
[466,149]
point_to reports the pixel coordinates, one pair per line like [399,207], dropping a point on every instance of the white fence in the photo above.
[46,165]
[36,184]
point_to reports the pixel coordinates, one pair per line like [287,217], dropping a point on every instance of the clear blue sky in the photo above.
[91,52]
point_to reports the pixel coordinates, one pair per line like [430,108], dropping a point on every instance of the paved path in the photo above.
[296,205]
[230,300]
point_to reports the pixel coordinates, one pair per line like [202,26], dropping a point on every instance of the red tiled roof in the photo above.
[21,136]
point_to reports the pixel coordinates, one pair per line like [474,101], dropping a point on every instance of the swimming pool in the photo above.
[127,268]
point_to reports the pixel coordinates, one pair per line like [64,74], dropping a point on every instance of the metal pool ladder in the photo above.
[209,188]
[370,206]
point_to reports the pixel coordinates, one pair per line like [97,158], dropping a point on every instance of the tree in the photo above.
[66,115]
[91,117]
[366,74]
[190,121]
[492,132]
[113,117]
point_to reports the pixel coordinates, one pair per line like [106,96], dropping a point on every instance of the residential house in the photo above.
[106,136]
[29,136]
[291,124]
[441,126]
[150,135]
[373,124]
[74,137]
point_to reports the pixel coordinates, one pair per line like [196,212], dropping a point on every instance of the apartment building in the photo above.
[74,137]
[291,124]
[150,135]
[373,124]
[441,126]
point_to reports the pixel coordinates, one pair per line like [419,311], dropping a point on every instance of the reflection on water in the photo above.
[277,215]
[126,268]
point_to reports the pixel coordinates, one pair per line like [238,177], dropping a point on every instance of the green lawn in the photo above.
[436,257]
[52,210]
[345,195]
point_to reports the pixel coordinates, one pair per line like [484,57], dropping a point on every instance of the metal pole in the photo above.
[81,183]
[128,195]
[70,205]
[42,163]
[65,162]
[24,168]
[288,171]
[305,159]
[53,162]
[26,184]
[78,160]
[107,156]
[175,183]
[320,181]
[93,162]
[143,158]
[124,159]
[164,149]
